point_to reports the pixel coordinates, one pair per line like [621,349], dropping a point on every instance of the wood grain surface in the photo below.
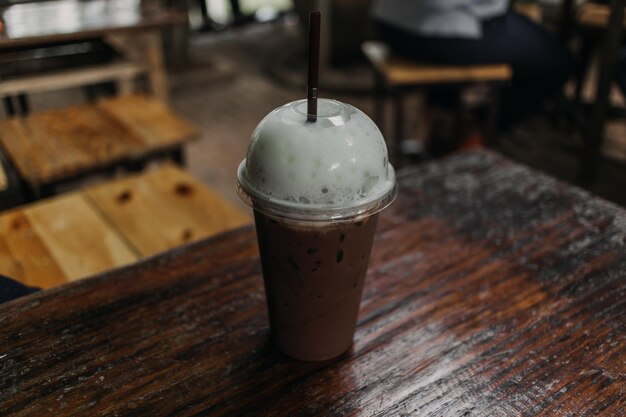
[152,120]
[492,291]
[164,208]
[61,143]
[83,233]
[59,240]
[23,256]
[401,71]
[80,240]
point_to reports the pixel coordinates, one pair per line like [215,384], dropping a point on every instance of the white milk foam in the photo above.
[340,158]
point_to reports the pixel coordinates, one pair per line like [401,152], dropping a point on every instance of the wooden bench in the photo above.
[110,225]
[122,73]
[395,76]
[56,146]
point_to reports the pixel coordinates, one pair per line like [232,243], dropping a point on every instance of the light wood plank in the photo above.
[150,119]
[595,15]
[400,71]
[35,155]
[81,242]
[23,256]
[88,130]
[56,144]
[30,23]
[165,208]
[118,71]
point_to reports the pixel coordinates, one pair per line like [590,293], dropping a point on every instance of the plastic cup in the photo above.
[316,190]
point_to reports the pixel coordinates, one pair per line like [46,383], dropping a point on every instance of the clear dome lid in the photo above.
[335,168]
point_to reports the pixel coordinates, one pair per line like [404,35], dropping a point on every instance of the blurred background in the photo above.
[97,94]
[231,62]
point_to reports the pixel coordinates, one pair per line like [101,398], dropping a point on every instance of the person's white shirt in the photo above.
[446,18]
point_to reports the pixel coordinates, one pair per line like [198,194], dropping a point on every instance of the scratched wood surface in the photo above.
[57,144]
[492,291]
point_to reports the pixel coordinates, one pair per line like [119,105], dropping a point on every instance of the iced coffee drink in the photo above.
[316,189]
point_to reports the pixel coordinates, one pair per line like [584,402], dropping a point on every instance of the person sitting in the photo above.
[476,32]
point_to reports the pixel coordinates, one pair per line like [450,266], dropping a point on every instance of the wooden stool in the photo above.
[396,76]
[83,233]
[56,146]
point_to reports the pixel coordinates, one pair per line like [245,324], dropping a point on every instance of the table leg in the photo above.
[146,48]
[593,137]
[156,66]
[567,20]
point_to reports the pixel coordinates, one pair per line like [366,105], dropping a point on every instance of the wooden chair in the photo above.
[601,27]
[109,225]
[396,77]
[57,146]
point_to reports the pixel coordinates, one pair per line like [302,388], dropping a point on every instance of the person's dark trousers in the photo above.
[540,64]
[621,70]
[10,289]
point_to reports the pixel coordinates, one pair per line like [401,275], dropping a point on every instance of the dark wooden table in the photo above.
[51,21]
[131,28]
[492,291]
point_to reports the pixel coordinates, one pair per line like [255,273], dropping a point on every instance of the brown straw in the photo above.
[314,65]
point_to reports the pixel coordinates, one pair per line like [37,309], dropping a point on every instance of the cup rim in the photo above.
[292,210]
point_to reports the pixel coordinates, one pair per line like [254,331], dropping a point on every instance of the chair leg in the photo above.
[8,106]
[398,134]
[379,105]
[178,156]
[22,100]
[585,53]
[491,131]
[90,93]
